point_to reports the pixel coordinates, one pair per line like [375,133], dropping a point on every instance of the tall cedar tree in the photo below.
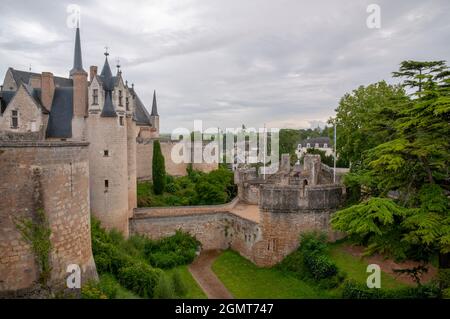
[158,169]
[413,163]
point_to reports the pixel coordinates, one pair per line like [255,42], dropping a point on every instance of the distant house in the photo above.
[318,143]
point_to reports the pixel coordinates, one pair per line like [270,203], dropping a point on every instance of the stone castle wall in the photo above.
[55,176]
[265,242]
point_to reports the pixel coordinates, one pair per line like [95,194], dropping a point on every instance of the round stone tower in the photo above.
[107,135]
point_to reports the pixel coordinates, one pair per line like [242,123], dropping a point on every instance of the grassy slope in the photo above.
[245,280]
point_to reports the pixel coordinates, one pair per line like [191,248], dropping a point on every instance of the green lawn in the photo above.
[245,280]
[194,291]
[356,267]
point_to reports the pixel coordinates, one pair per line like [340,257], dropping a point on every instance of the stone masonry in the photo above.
[58,172]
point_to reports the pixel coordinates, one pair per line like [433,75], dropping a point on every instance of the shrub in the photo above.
[108,286]
[140,278]
[179,286]
[354,290]
[92,291]
[158,169]
[443,278]
[164,288]
[169,252]
[315,256]
[311,262]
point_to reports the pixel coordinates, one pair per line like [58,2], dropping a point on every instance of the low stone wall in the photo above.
[53,176]
[265,243]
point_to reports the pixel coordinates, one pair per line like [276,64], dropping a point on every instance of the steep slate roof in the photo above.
[24,77]
[5,98]
[141,115]
[154,107]
[319,140]
[60,119]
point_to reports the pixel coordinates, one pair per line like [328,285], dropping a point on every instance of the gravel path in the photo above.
[207,280]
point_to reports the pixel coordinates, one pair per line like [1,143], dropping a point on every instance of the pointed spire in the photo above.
[154,106]
[77,60]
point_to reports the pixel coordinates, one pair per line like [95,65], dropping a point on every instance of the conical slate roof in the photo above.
[106,75]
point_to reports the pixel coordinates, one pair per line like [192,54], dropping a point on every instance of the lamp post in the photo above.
[334,169]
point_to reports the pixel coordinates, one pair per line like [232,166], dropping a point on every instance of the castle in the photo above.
[76,146]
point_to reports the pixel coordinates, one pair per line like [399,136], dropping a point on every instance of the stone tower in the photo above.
[80,92]
[108,135]
[154,117]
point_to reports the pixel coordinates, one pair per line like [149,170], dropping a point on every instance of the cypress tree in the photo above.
[158,169]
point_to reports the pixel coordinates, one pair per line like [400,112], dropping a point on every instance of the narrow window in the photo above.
[120,97]
[95,96]
[106,185]
[127,103]
[105,153]
[14,119]
[121,120]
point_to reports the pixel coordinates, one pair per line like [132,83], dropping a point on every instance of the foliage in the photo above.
[197,188]
[365,118]
[91,291]
[37,232]
[354,290]
[179,249]
[130,262]
[140,278]
[158,169]
[312,261]
[407,154]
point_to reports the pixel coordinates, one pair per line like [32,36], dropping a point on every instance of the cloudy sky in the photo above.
[228,62]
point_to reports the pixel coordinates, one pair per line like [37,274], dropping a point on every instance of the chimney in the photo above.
[47,89]
[92,72]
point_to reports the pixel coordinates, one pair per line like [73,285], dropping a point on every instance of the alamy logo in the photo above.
[374,279]
[229,145]
[374,19]
[73,281]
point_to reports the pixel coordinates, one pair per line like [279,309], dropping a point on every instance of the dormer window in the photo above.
[325,145]
[317,145]
[95,96]
[120,98]
[14,119]
[308,145]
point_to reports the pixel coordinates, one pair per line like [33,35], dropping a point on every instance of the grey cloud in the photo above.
[284,62]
